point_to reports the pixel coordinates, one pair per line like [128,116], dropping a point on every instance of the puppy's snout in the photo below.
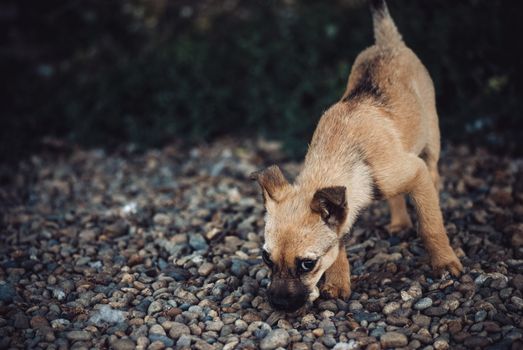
[287,295]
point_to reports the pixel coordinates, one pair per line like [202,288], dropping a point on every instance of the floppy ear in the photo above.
[331,204]
[272,182]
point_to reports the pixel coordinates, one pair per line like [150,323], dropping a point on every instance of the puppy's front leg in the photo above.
[337,277]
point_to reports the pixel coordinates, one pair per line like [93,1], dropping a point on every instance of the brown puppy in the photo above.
[381,140]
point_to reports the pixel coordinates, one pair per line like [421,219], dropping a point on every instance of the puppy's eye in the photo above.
[267,258]
[306,265]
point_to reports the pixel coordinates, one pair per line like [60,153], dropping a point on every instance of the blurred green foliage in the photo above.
[103,73]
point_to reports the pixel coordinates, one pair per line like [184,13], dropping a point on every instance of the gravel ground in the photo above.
[162,250]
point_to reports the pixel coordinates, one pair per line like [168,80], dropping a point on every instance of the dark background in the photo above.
[144,72]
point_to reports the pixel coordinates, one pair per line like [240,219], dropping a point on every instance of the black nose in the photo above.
[287,303]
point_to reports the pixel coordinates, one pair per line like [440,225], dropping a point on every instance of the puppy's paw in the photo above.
[336,291]
[449,263]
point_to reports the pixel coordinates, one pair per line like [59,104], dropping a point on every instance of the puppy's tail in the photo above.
[385,31]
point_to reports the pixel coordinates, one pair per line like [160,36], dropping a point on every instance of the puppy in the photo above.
[380,141]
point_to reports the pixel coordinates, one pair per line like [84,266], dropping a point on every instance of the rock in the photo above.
[119,228]
[318,332]
[328,341]
[60,324]
[87,235]
[455,326]
[127,278]
[414,292]
[154,307]
[423,304]
[58,293]
[161,338]
[106,314]
[518,302]
[421,320]
[178,273]
[161,219]
[382,258]
[123,344]
[391,307]
[178,329]
[355,305]
[475,341]
[393,340]
[239,267]
[517,282]
[156,329]
[215,326]
[20,321]
[480,316]
[329,305]
[205,269]
[275,339]
[441,344]
[78,336]
[491,327]
[156,345]
[198,242]
[7,292]
[39,322]
[183,342]
[435,311]
[397,320]
[148,277]
[366,316]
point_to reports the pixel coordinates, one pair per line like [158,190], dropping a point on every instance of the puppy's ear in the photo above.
[331,204]
[272,182]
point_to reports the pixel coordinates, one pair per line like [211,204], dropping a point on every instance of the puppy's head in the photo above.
[302,236]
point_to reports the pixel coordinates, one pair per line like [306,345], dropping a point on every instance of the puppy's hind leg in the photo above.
[432,230]
[399,217]
[431,157]
[412,176]
[337,277]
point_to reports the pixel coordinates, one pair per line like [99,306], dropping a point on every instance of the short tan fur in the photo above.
[380,140]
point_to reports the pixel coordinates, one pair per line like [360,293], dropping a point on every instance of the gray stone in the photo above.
[239,267]
[328,305]
[156,329]
[178,329]
[275,339]
[366,316]
[7,292]
[480,316]
[198,242]
[184,341]
[328,341]
[423,304]
[215,326]
[517,301]
[20,321]
[355,306]
[154,307]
